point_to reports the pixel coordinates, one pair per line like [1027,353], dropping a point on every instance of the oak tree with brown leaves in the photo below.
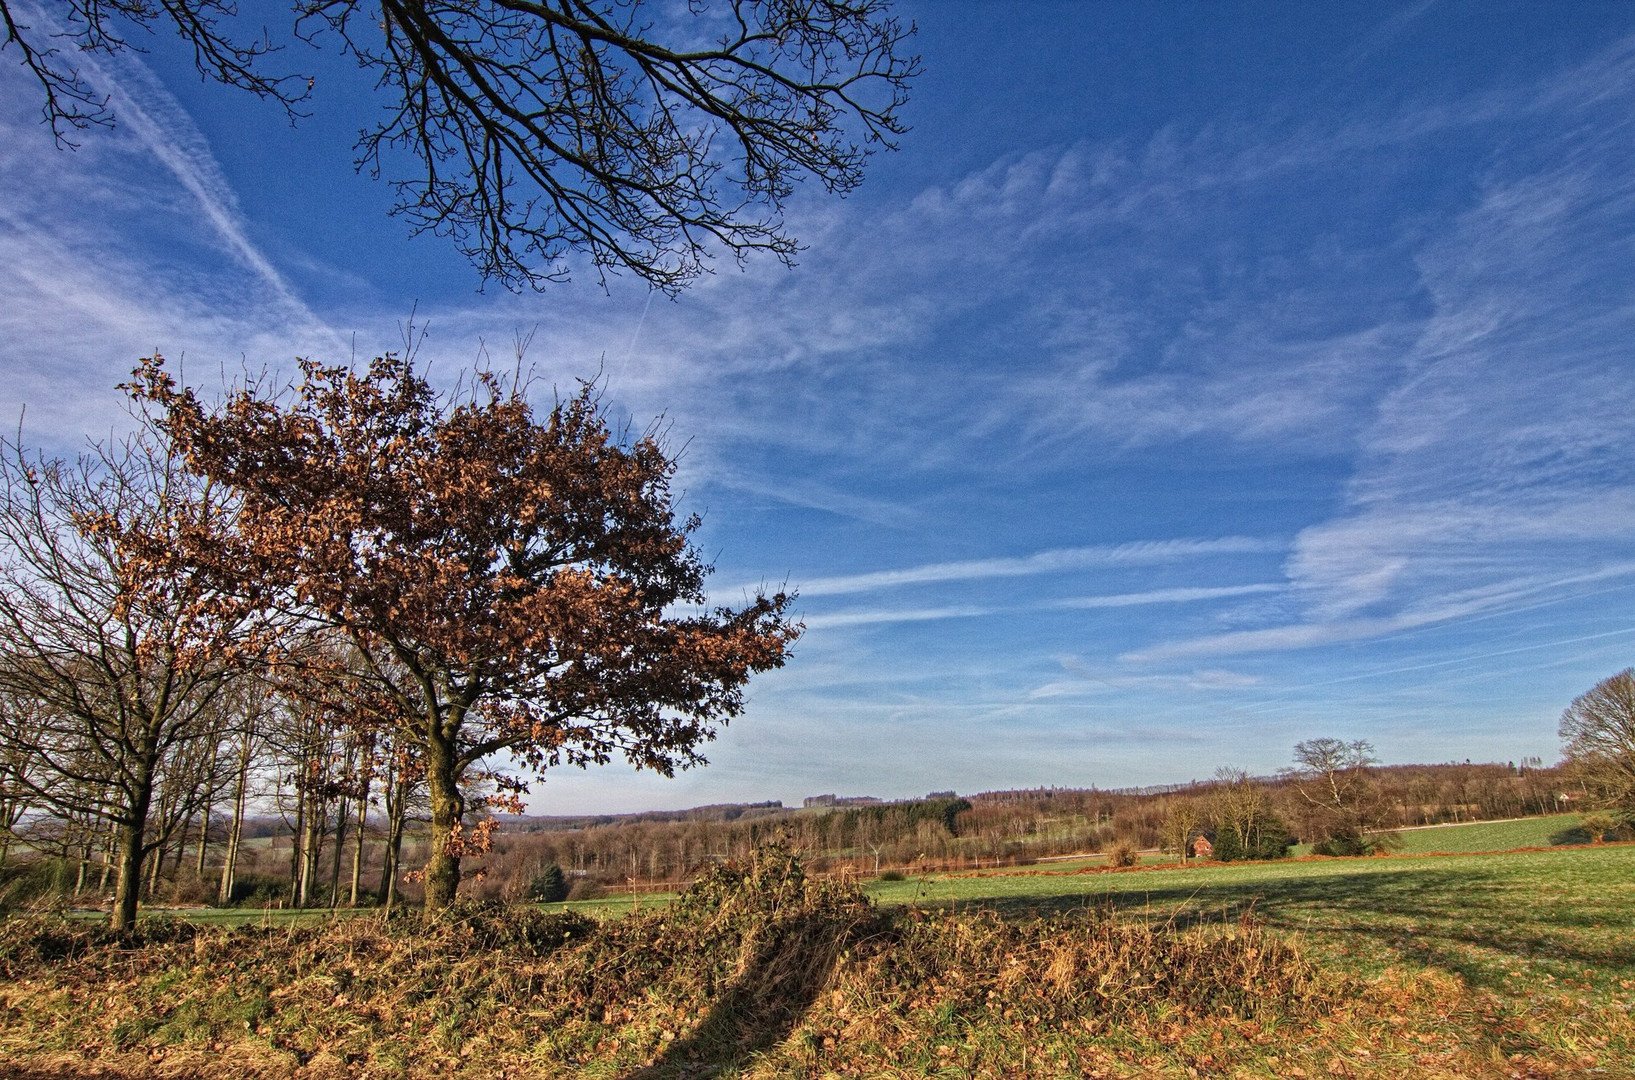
[519,587]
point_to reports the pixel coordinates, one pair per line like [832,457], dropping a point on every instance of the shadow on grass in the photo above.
[761,1006]
[1476,926]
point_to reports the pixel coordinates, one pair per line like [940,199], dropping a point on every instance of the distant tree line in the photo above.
[1242,816]
[292,813]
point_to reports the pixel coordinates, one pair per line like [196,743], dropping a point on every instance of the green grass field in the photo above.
[250,916]
[1473,836]
[1486,835]
[1522,921]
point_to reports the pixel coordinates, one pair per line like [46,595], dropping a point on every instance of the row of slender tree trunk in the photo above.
[334,791]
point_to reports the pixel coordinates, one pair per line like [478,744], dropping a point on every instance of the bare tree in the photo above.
[1246,826]
[245,743]
[72,27]
[1599,729]
[1344,809]
[538,128]
[363,783]
[313,785]
[122,654]
[1182,819]
[18,771]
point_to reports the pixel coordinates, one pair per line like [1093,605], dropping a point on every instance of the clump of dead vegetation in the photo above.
[757,971]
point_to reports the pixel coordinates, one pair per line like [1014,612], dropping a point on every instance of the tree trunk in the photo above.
[311,840]
[397,798]
[156,860]
[87,843]
[297,831]
[210,790]
[204,843]
[303,855]
[363,815]
[340,850]
[357,856]
[129,884]
[447,810]
[388,871]
[181,846]
[108,851]
[235,832]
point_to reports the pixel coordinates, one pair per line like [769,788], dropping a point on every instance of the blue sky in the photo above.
[1198,378]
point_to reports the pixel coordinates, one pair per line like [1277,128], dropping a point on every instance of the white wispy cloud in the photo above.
[1076,603]
[1303,636]
[133,243]
[896,615]
[1511,445]
[1167,596]
[1089,683]
[808,362]
[1043,351]
[147,110]
[1053,561]
[1477,659]
[1499,464]
[1482,601]
[816,496]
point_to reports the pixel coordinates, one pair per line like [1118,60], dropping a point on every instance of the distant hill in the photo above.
[716,812]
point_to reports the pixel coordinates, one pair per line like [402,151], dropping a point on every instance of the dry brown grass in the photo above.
[757,972]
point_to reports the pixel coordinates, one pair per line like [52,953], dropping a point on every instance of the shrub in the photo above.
[1270,840]
[1571,836]
[259,890]
[1123,854]
[586,889]
[35,884]
[549,886]
[1383,842]
[1340,845]
[187,890]
[1595,828]
[1598,826]
[891,875]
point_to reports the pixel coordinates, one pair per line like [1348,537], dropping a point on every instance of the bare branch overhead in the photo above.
[528,131]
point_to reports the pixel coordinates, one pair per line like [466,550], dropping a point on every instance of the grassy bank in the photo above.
[1509,966]
[1563,916]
